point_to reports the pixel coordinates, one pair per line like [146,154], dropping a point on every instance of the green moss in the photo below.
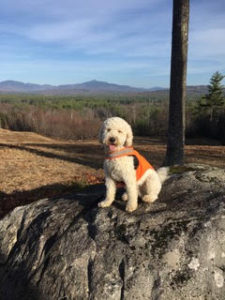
[180,169]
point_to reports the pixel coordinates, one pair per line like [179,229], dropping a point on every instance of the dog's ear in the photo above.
[129,140]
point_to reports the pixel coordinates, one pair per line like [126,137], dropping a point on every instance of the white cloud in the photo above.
[96,26]
[73,8]
[128,38]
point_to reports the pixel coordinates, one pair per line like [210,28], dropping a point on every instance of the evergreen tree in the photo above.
[215,98]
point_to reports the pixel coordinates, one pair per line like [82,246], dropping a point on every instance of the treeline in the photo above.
[79,117]
[58,123]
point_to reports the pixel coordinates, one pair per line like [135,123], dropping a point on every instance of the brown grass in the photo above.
[34,167]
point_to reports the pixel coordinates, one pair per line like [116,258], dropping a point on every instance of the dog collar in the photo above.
[122,152]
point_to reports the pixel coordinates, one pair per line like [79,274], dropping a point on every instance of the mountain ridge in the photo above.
[13,85]
[88,87]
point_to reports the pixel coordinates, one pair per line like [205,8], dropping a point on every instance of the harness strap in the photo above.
[123,152]
[143,165]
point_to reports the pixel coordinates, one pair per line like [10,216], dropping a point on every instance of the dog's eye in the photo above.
[108,129]
[120,131]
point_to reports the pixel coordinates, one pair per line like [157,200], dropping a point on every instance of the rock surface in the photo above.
[71,249]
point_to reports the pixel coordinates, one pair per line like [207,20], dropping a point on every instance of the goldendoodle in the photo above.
[117,137]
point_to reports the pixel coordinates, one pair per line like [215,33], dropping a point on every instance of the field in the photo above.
[34,167]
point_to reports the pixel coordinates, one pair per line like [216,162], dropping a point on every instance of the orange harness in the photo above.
[143,164]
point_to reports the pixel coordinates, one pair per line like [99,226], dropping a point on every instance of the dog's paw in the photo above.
[104,203]
[149,198]
[124,197]
[131,207]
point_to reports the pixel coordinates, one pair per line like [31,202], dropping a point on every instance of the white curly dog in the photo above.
[117,137]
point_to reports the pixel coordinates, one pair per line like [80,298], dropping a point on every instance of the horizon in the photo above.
[46,42]
[94,80]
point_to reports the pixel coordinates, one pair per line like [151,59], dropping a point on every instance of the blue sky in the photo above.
[119,41]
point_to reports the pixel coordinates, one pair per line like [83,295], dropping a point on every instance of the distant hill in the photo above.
[11,86]
[89,87]
[193,91]
[92,86]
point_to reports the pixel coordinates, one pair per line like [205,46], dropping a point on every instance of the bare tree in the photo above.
[176,130]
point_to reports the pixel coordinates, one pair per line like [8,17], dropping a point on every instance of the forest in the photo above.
[79,117]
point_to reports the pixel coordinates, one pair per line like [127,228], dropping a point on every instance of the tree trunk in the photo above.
[176,130]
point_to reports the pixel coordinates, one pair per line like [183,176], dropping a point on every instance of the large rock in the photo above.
[71,249]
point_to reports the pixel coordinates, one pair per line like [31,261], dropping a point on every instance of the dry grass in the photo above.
[155,151]
[33,166]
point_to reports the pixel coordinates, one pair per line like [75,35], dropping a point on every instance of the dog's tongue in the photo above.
[112,147]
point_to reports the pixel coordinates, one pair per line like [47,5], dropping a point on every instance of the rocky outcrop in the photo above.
[69,248]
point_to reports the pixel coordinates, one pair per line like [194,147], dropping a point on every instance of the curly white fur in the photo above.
[117,133]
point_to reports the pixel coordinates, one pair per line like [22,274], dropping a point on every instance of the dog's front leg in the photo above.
[110,192]
[132,193]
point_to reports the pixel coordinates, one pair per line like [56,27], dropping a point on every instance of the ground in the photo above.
[34,167]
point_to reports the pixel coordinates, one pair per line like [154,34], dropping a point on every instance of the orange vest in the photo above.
[143,164]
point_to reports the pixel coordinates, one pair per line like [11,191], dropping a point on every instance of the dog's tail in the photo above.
[163,173]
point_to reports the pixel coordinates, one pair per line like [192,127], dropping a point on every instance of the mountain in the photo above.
[92,86]
[89,88]
[21,87]
[193,91]
[157,88]
[95,85]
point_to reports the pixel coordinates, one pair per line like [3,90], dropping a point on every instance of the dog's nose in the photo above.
[112,140]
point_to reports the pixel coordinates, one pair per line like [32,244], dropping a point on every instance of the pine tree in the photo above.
[215,98]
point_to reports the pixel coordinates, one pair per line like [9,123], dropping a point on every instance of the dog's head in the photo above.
[115,133]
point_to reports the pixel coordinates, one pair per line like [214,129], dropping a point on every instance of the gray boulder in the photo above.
[68,248]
